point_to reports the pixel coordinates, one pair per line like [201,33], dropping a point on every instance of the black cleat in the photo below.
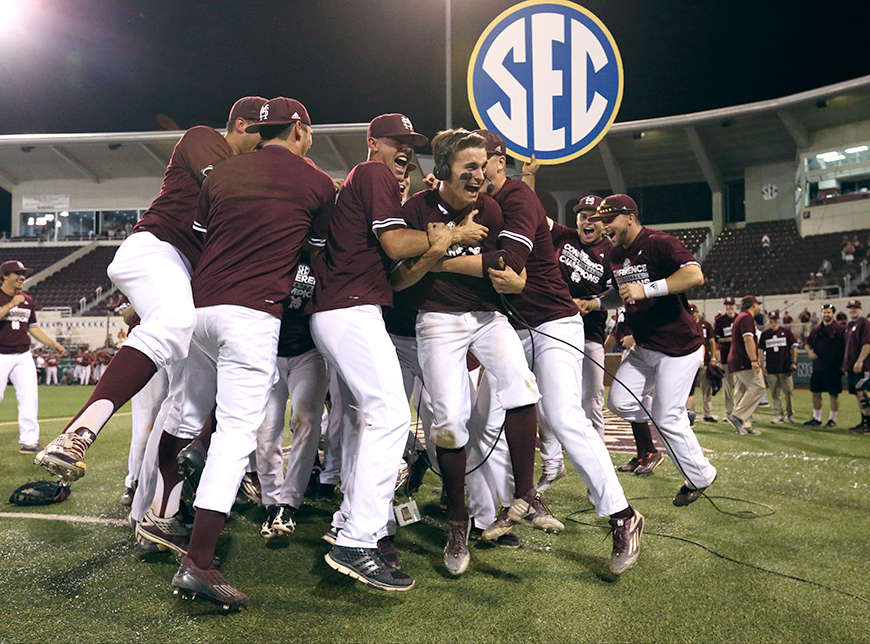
[366,565]
[687,495]
[325,492]
[191,581]
[830,424]
[417,472]
[813,423]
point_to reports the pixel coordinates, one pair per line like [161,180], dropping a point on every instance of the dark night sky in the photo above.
[112,65]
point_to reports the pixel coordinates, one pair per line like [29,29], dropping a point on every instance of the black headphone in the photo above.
[442,169]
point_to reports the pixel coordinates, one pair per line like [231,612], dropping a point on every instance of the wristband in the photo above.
[597,301]
[658,288]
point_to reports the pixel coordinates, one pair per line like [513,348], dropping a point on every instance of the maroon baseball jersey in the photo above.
[258,210]
[170,217]
[857,335]
[723,325]
[738,359]
[525,242]
[660,323]
[451,292]
[707,332]
[14,336]
[585,270]
[777,345]
[52,361]
[828,342]
[353,268]
[401,318]
[294,338]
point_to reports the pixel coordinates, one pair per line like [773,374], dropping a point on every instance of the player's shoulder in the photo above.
[485,203]
[370,171]
[201,134]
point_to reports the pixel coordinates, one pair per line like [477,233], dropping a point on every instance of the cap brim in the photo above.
[584,206]
[255,128]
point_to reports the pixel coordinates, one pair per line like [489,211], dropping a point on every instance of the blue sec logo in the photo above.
[547,76]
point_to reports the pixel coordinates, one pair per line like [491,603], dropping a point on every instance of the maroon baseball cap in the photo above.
[494,142]
[393,126]
[853,304]
[749,299]
[773,315]
[14,266]
[280,111]
[613,206]
[247,108]
[729,300]
[589,202]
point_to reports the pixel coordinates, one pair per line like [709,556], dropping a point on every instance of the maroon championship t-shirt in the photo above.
[451,292]
[294,338]
[738,359]
[14,336]
[828,342]
[586,271]
[258,210]
[857,335]
[353,269]
[662,324]
[170,217]
[525,242]
[777,345]
[723,326]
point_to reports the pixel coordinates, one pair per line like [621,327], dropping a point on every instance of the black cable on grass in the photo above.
[775,573]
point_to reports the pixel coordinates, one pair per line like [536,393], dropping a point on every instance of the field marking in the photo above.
[71,518]
[51,420]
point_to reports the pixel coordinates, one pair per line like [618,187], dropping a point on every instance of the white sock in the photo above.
[832,415]
[817,415]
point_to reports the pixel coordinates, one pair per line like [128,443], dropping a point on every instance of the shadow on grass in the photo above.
[70,583]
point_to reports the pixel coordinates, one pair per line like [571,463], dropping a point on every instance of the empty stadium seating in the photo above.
[79,279]
[36,257]
[691,237]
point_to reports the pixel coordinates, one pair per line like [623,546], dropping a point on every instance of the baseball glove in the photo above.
[40,493]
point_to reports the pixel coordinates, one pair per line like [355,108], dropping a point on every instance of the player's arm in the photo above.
[684,278]
[793,366]
[711,350]
[411,271]
[762,359]
[751,350]
[859,363]
[530,169]
[401,243]
[42,336]
[17,299]
[610,299]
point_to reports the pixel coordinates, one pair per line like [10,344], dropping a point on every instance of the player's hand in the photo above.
[532,166]
[585,306]
[337,184]
[764,372]
[793,367]
[505,279]
[18,298]
[430,181]
[858,367]
[755,366]
[440,237]
[811,354]
[628,342]
[469,232]
[60,350]
[631,292]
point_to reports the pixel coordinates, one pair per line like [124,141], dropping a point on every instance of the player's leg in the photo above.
[748,390]
[706,396]
[593,385]
[788,393]
[26,383]
[728,389]
[774,381]
[270,458]
[145,407]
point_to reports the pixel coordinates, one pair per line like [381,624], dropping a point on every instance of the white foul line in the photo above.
[51,420]
[72,518]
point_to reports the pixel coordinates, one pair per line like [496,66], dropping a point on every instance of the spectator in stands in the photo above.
[744,364]
[826,346]
[778,361]
[804,316]
[842,318]
[856,363]
[826,266]
[765,244]
[848,251]
[787,319]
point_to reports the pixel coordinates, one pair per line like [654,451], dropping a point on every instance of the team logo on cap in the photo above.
[547,76]
[264,112]
[406,122]
[590,201]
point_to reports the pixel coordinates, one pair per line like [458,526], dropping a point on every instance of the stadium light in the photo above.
[13,12]
[860,148]
[827,155]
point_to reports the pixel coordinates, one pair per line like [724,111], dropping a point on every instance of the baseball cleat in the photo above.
[737,424]
[283,522]
[831,424]
[507,540]
[330,535]
[710,419]
[546,481]
[631,466]
[210,584]
[626,542]
[648,463]
[31,448]
[793,420]
[456,555]
[530,510]
[127,496]
[752,430]
[687,495]
[387,551]
[249,489]
[325,492]
[777,420]
[813,423]
[64,456]
[266,530]
[501,526]
[168,533]
[365,565]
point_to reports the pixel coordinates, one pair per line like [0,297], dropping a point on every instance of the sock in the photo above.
[167,496]
[207,526]
[207,431]
[127,373]
[627,513]
[832,415]
[452,463]
[643,439]
[817,415]
[521,430]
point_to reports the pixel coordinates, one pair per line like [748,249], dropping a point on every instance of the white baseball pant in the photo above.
[20,370]
[668,380]
[412,378]
[331,427]
[303,380]
[50,375]
[355,342]
[443,339]
[155,277]
[145,406]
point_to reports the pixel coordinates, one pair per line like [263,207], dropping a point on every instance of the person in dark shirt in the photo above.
[743,362]
[723,325]
[856,363]
[826,346]
[709,357]
[778,360]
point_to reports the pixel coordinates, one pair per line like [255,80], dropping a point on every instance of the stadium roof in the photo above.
[713,146]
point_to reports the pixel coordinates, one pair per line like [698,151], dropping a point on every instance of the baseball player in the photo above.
[244,275]
[17,324]
[778,360]
[744,365]
[366,234]
[51,362]
[856,363]
[152,268]
[652,272]
[82,368]
[710,352]
[545,304]
[826,347]
[723,325]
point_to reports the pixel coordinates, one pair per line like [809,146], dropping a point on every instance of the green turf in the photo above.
[64,582]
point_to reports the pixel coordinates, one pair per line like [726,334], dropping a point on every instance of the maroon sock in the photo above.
[452,463]
[207,431]
[521,430]
[207,526]
[627,513]
[643,439]
[127,373]
[170,475]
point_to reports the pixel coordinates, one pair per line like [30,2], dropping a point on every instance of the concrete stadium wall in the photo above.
[781,175]
[80,330]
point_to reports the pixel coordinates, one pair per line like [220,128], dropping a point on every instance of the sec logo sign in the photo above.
[547,76]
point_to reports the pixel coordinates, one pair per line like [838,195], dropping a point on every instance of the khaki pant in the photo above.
[781,383]
[728,389]
[706,392]
[748,391]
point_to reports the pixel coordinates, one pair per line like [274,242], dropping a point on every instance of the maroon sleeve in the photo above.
[495,222]
[521,211]
[320,219]
[411,210]
[671,254]
[743,326]
[864,332]
[199,150]
[32,320]
[790,339]
[384,203]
